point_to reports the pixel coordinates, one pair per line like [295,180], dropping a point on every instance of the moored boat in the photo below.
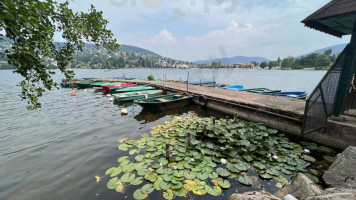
[130,89]
[107,87]
[260,90]
[130,96]
[165,102]
[234,87]
[296,95]
[202,82]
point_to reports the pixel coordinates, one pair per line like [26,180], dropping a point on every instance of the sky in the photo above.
[192,30]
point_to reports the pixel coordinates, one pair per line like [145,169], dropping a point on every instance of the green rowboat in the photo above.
[130,96]
[165,102]
[130,89]
[260,90]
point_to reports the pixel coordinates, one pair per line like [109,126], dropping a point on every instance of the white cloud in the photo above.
[163,38]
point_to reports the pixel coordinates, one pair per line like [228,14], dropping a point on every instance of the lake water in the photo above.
[56,151]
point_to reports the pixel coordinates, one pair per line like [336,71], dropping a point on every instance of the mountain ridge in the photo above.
[232,60]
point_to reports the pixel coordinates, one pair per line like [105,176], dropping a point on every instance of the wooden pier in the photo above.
[281,113]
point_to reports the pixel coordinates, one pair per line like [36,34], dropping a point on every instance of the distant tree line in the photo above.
[317,61]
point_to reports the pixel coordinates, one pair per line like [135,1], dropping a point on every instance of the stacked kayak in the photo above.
[98,85]
[107,87]
[130,96]
[165,102]
[130,89]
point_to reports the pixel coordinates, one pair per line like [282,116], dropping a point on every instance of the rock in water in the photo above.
[124,111]
[342,173]
[300,187]
[253,195]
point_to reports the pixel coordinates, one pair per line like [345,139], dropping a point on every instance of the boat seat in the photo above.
[162,100]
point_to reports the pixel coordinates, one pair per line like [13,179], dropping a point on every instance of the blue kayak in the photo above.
[234,87]
[201,82]
[296,95]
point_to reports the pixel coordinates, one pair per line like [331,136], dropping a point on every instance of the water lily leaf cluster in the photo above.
[203,156]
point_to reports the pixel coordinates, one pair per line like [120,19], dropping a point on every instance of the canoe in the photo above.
[130,96]
[130,89]
[296,95]
[260,90]
[202,82]
[165,102]
[84,84]
[99,84]
[107,87]
[234,87]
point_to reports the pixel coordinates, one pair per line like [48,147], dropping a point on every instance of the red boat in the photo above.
[107,87]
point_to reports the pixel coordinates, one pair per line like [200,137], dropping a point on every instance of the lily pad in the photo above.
[203,176]
[215,191]
[113,183]
[180,192]
[128,177]
[330,158]
[223,172]
[168,195]
[148,188]
[312,178]
[189,175]
[213,175]
[110,171]
[139,195]
[124,147]
[245,180]
[308,158]
[137,181]
[139,158]
[133,151]
[224,183]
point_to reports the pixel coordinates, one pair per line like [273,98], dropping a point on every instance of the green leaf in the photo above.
[147,189]
[128,177]
[189,175]
[203,176]
[116,172]
[157,183]
[133,151]
[168,195]
[113,183]
[139,195]
[312,178]
[164,185]
[223,172]
[180,192]
[245,180]
[213,191]
[110,171]
[308,158]
[122,159]
[330,158]
[224,183]
[177,186]
[213,175]
[124,147]
[259,165]
[137,181]
[241,166]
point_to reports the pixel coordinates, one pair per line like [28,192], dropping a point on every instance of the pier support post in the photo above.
[168,151]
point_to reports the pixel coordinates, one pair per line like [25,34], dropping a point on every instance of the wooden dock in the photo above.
[284,114]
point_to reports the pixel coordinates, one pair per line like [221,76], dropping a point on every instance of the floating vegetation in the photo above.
[200,155]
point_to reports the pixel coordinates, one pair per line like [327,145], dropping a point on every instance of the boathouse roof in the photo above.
[336,18]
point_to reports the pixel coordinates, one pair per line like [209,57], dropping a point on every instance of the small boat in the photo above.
[260,90]
[130,89]
[130,96]
[165,102]
[84,84]
[296,95]
[66,83]
[202,82]
[234,87]
[99,84]
[107,87]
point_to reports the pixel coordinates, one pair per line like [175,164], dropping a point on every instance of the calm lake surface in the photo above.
[56,152]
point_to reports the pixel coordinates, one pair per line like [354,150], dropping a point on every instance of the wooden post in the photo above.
[167,150]
[213,120]
[189,142]
[204,130]
[200,82]
[188,83]
[235,118]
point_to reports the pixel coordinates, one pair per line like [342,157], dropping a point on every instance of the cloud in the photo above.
[163,38]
